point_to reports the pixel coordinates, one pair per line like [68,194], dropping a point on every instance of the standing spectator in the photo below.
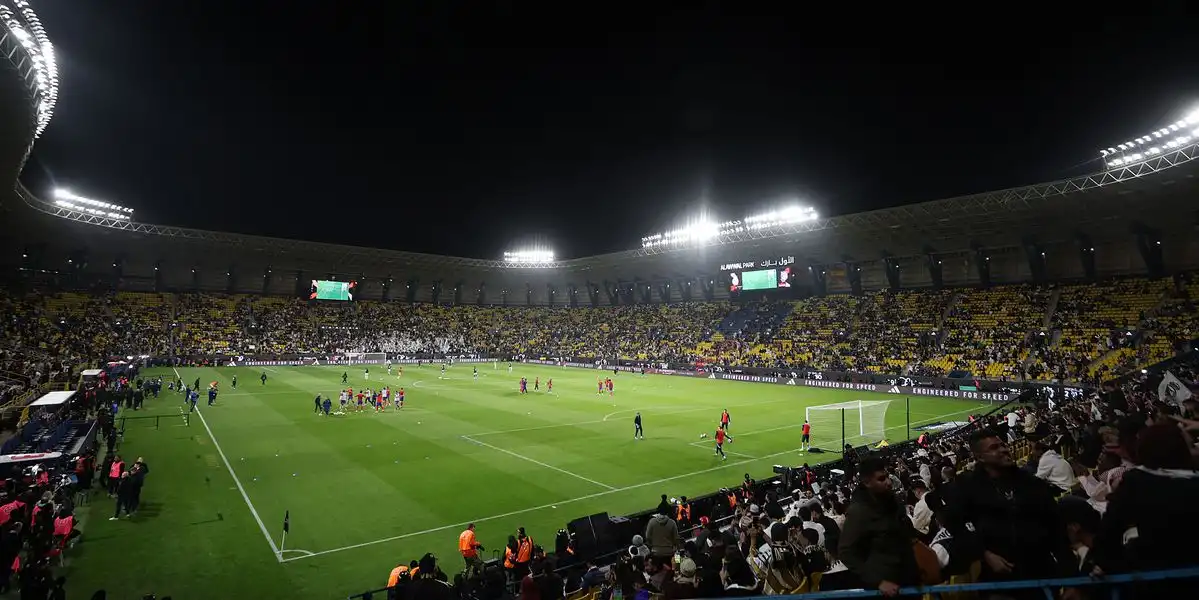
[1005,516]
[137,478]
[877,541]
[124,496]
[662,536]
[664,506]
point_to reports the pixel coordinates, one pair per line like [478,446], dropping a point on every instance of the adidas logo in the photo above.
[791,381]
[711,376]
[894,390]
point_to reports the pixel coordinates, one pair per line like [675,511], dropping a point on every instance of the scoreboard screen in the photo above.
[763,279]
[332,290]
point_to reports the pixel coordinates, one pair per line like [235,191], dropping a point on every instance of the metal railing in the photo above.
[157,420]
[1048,587]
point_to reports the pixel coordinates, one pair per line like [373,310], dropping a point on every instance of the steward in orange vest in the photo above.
[524,551]
[683,513]
[510,553]
[469,547]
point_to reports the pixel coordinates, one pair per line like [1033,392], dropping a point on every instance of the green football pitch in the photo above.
[366,491]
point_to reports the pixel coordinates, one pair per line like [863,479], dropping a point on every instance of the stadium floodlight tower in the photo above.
[69,201]
[1177,136]
[533,258]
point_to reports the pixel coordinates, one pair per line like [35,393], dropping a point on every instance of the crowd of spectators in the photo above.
[1077,332]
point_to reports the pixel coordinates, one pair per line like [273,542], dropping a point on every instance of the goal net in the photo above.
[367,356]
[856,423]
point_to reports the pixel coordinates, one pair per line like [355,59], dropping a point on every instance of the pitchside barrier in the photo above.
[1110,586]
[903,386]
[153,421]
[319,361]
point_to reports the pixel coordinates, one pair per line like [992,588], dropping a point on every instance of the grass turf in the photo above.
[367,491]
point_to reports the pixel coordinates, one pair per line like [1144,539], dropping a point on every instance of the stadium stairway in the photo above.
[754,318]
[1051,308]
[734,322]
[943,331]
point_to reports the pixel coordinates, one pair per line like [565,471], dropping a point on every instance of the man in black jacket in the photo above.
[876,543]
[1006,517]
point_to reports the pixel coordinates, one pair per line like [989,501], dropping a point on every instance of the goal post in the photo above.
[855,423]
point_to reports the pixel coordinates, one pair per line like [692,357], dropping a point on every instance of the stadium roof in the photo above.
[1155,194]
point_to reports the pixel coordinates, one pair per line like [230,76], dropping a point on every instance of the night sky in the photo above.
[468,132]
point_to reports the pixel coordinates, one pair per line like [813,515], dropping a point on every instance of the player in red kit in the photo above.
[725,420]
[720,437]
[549,384]
[805,444]
[608,382]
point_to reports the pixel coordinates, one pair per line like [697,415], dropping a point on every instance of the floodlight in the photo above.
[530,257]
[1178,134]
[27,29]
[67,199]
[704,230]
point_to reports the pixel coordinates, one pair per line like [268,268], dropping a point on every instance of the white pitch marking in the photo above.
[556,504]
[240,488]
[537,462]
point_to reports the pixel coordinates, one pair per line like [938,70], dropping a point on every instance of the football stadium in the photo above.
[975,395]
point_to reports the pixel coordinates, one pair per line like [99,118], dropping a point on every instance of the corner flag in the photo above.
[286,521]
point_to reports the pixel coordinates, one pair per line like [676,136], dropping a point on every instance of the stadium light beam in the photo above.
[1178,134]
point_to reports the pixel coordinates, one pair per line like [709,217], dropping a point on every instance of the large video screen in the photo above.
[759,280]
[332,290]
[765,279]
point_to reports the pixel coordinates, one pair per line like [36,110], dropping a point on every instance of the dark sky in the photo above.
[465,131]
